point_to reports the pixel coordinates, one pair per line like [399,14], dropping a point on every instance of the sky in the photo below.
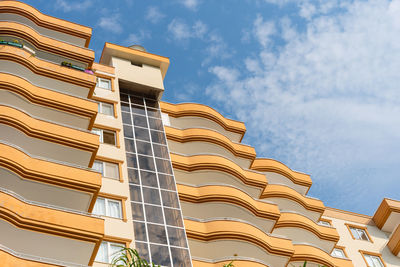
[317,82]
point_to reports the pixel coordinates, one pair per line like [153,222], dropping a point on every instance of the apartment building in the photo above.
[91,160]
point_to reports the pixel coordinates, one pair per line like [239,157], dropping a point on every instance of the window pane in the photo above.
[154,214]
[135,193]
[377,261]
[125,107]
[158,137]
[148,178]
[140,231]
[137,211]
[104,83]
[129,145]
[151,103]
[177,237]
[98,166]
[111,170]
[126,118]
[157,234]
[143,250]
[160,255]
[142,134]
[131,160]
[128,132]
[137,100]
[170,199]
[180,257]
[107,109]
[146,163]
[160,151]
[337,252]
[102,254]
[109,137]
[124,97]
[99,207]
[363,234]
[133,176]
[151,196]
[354,233]
[114,209]
[173,217]
[140,121]
[156,124]
[166,182]
[164,166]
[144,148]
[368,258]
[138,110]
[153,113]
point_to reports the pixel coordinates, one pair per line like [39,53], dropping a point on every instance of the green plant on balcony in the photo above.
[128,257]
[229,264]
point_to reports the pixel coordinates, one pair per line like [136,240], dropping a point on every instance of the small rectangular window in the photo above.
[324,223]
[373,261]
[106,108]
[104,83]
[358,233]
[108,207]
[105,136]
[107,169]
[108,251]
[339,253]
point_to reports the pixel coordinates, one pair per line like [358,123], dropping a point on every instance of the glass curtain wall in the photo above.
[159,231]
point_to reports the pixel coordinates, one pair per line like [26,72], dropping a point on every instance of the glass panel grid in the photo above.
[145,128]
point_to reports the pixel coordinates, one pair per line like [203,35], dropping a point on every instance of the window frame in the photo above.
[109,243]
[101,79]
[342,249]
[325,223]
[359,227]
[101,135]
[104,162]
[100,108]
[106,207]
[372,254]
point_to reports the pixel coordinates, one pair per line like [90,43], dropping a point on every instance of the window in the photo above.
[359,233]
[324,223]
[373,260]
[104,83]
[338,252]
[107,169]
[106,108]
[108,207]
[106,136]
[108,251]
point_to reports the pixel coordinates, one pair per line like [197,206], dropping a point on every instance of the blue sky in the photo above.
[317,82]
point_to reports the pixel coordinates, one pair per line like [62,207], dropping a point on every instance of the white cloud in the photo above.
[154,15]
[190,4]
[111,22]
[263,30]
[328,100]
[68,6]
[137,38]
[182,31]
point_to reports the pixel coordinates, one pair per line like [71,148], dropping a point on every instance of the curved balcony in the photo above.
[279,173]
[46,104]
[217,163]
[47,139]
[190,115]
[290,200]
[204,141]
[221,238]
[45,74]
[315,255]
[48,182]
[46,232]
[238,261]
[46,25]
[300,228]
[211,201]
[47,44]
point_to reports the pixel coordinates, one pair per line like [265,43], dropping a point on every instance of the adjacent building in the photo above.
[91,160]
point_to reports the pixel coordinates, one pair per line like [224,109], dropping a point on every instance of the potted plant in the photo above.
[128,257]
